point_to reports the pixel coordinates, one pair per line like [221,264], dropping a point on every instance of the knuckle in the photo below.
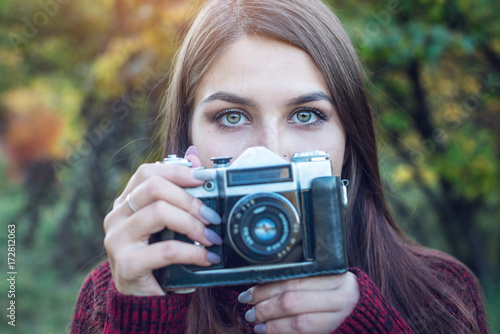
[158,208]
[193,228]
[260,311]
[107,243]
[194,222]
[142,172]
[107,221]
[291,284]
[110,241]
[273,327]
[110,245]
[302,322]
[178,172]
[153,187]
[110,220]
[193,203]
[194,256]
[288,301]
[169,252]
[117,201]
[174,172]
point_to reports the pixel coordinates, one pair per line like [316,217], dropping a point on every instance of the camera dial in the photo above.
[221,161]
[173,159]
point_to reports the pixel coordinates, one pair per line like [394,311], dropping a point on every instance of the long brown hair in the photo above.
[374,241]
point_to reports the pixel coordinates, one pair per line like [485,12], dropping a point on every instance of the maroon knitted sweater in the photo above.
[102,309]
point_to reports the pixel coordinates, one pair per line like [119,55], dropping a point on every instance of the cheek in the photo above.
[337,159]
[333,145]
[211,145]
[336,152]
[202,137]
[206,148]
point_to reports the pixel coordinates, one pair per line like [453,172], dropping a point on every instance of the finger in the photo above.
[265,291]
[192,155]
[194,160]
[302,323]
[157,216]
[290,303]
[170,252]
[137,263]
[180,175]
[157,188]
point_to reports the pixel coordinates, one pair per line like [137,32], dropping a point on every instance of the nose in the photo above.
[271,136]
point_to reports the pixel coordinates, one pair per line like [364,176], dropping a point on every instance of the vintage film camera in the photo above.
[280,220]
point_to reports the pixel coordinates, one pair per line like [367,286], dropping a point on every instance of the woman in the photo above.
[281,74]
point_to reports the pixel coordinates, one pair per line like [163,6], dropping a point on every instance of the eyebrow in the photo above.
[232,98]
[311,97]
[228,97]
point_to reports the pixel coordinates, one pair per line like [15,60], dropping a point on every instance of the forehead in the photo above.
[262,62]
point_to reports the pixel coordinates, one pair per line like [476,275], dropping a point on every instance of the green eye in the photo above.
[304,116]
[233,118]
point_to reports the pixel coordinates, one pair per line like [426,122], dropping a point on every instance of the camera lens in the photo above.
[263,227]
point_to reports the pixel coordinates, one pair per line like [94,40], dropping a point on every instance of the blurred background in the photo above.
[81,85]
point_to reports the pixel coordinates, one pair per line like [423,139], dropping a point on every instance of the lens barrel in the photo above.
[263,227]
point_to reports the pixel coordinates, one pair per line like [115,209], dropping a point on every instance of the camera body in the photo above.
[280,220]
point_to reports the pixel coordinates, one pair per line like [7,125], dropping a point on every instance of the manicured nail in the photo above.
[213,237]
[202,174]
[210,215]
[191,151]
[213,258]
[260,328]
[250,315]
[246,296]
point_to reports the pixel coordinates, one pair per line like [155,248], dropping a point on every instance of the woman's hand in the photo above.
[156,193]
[306,305]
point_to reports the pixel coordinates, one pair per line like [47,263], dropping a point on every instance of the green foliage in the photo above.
[469,163]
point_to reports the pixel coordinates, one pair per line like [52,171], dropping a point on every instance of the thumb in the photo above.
[192,155]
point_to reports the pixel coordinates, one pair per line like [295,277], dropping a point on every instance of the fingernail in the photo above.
[250,315]
[213,258]
[210,215]
[260,328]
[202,174]
[191,150]
[246,296]
[213,237]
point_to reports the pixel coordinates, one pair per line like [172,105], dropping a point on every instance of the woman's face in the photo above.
[261,92]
